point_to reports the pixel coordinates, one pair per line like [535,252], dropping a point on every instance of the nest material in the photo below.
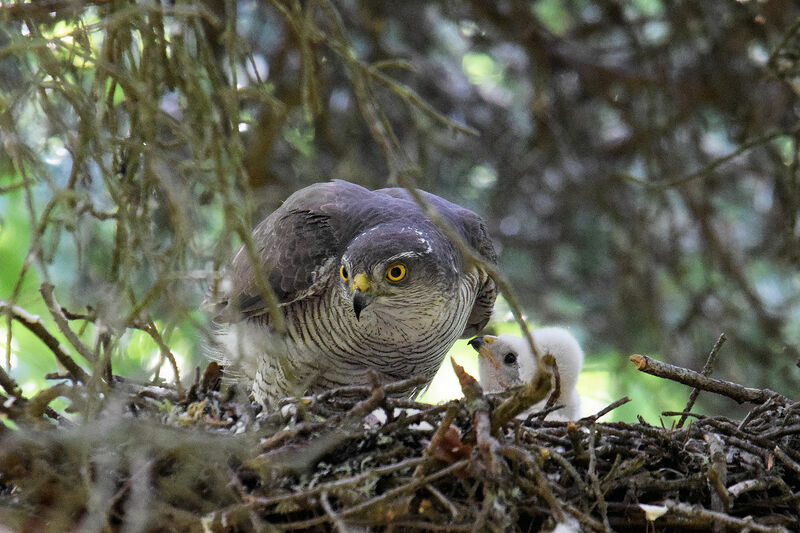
[147,458]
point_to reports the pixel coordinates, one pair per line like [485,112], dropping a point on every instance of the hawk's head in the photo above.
[398,265]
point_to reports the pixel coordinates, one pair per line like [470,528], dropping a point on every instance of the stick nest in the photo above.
[150,458]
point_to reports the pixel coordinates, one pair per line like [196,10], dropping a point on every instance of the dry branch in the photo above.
[34,324]
[694,379]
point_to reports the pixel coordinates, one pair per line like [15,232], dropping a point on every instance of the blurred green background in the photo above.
[636,162]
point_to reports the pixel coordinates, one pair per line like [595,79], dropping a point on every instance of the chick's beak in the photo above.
[362,293]
[476,343]
[481,341]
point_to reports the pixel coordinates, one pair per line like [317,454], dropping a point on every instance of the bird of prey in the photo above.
[506,361]
[364,281]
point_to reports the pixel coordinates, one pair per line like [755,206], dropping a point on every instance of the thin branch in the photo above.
[785,459]
[387,496]
[707,369]
[341,527]
[14,186]
[543,485]
[62,322]
[711,517]
[6,381]
[784,41]
[151,329]
[709,169]
[717,472]
[521,399]
[595,481]
[34,324]
[408,94]
[40,403]
[607,409]
[437,438]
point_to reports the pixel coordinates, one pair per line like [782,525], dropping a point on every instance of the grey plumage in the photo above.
[331,254]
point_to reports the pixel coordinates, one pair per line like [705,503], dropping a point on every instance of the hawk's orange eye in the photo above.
[396,272]
[343,272]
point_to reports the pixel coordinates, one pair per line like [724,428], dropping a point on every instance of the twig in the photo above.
[698,416]
[46,290]
[710,517]
[605,410]
[714,165]
[756,411]
[717,474]
[303,458]
[386,496]
[520,400]
[707,369]
[542,414]
[412,419]
[785,459]
[437,438]
[341,527]
[34,324]
[454,512]
[734,391]
[261,501]
[408,94]
[781,432]
[749,485]
[568,467]
[411,525]
[37,405]
[595,481]
[390,388]
[150,328]
[576,439]
[623,471]
[14,186]
[584,518]
[363,71]
[359,410]
[479,408]
[6,381]
[555,391]
[542,483]
[784,41]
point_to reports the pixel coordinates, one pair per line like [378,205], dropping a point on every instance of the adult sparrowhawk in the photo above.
[365,281]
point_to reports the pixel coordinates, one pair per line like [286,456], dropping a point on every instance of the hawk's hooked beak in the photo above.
[361,294]
[481,345]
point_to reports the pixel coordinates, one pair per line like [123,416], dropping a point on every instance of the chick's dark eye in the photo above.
[510,358]
[343,272]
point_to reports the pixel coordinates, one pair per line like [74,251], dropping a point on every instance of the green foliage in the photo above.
[481,69]
[553,15]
